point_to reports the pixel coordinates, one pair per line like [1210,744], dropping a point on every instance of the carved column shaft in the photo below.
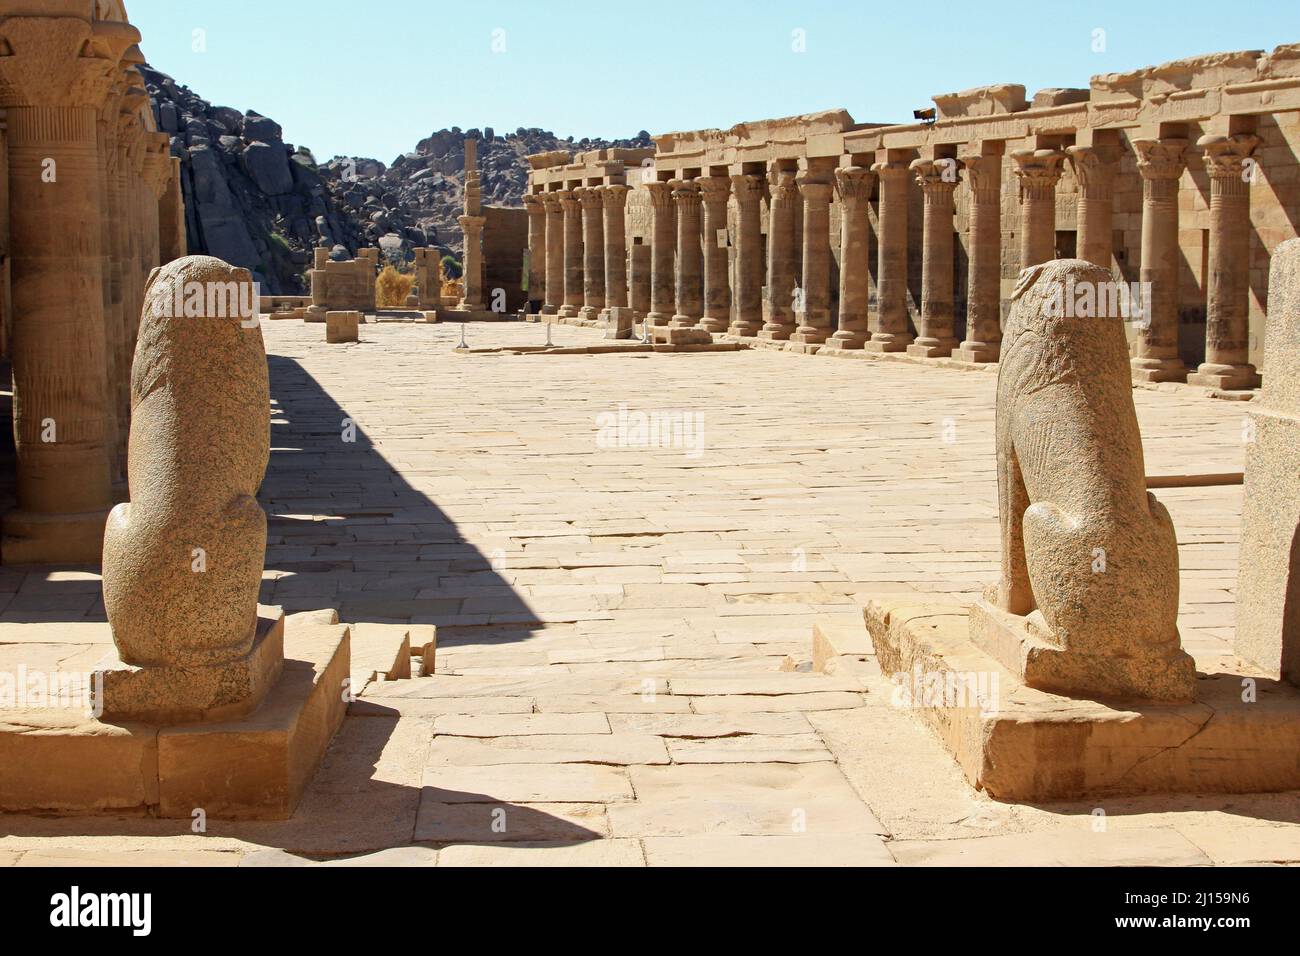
[690,257]
[854,184]
[814,319]
[983,341]
[749,255]
[1039,170]
[890,333]
[938,180]
[781,257]
[536,249]
[593,252]
[572,254]
[615,199]
[1160,162]
[714,191]
[1094,168]
[662,254]
[472,228]
[554,262]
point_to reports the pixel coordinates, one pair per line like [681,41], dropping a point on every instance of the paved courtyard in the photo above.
[624,632]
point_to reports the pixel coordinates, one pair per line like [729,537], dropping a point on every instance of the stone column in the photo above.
[472,228]
[171,218]
[938,180]
[54,78]
[778,314]
[1160,161]
[749,255]
[814,319]
[1094,168]
[1039,170]
[1227,319]
[854,184]
[536,251]
[690,257]
[663,248]
[614,198]
[890,333]
[572,254]
[714,191]
[554,284]
[593,252]
[983,341]
[639,277]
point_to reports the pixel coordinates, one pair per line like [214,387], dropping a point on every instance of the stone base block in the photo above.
[804,348]
[881,343]
[964,354]
[777,334]
[1225,377]
[1158,370]
[846,342]
[342,326]
[677,335]
[31,538]
[257,767]
[618,323]
[929,350]
[1020,646]
[314,314]
[431,316]
[184,695]
[1022,744]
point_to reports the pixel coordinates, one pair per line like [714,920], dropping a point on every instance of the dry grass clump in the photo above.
[392,288]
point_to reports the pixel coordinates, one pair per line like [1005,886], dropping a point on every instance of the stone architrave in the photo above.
[593,252]
[1268,576]
[55,78]
[1160,162]
[183,559]
[554,259]
[854,184]
[1039,170]
[983,340]
[890,333]
[1227,316]
[813,321]
[748,190]
[1087,603]
[782,257]
[714,191]
[938,181]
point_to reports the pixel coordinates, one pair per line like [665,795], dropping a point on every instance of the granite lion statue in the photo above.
[1088,554]
[183,559]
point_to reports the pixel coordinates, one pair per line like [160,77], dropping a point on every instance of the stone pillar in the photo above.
[639,278]
[1160,161]
[749,255]
[1039,170]
[536,251]
[778,314]
[983,341]
[572,254]
[854,184]
[663,248]
[714,191]
[1227,319]
[814,319]
[614,199]
[890,333]
[1268,576]
[593,252]
[690,257]
[938,180]
[554,284]
[56,75]
[171,218]
[1094,168]
[472,229]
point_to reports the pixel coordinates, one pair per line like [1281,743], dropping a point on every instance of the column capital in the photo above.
[568,199]
[983,174]
[1039,170]
[813,187]
[935,176]
[534,204]
[614,195]
[1093,166]
[589,197]
[661,195]
[471,223]
[894,170]
[686,193]
[551,201]
[714,189]
[854,183]
[748,187]
[1161,158]
[61,61]
[783,185]
[1225,156]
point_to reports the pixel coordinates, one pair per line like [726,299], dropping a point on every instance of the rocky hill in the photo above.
[259,202]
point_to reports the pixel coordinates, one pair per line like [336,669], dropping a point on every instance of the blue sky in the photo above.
[372,77]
